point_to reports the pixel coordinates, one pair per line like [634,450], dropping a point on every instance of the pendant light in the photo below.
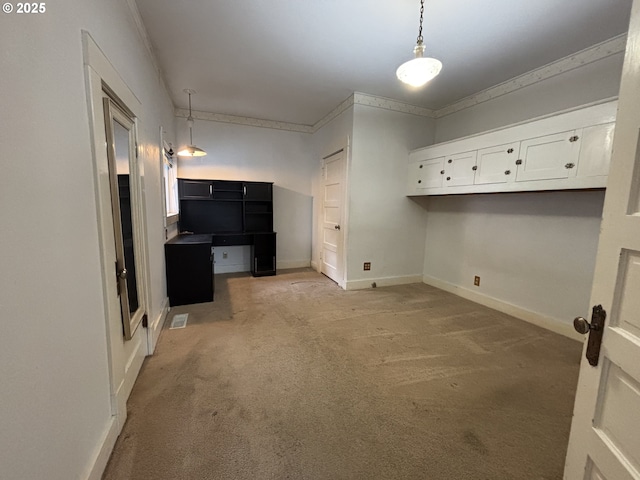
[191,150]
[421,69]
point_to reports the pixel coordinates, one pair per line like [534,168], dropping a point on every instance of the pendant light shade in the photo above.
[421,69]
[190,150]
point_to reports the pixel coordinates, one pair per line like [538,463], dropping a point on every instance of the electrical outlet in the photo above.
[476,281]
[367,265]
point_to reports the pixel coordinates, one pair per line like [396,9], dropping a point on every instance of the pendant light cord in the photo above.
[190,119]
[419,41]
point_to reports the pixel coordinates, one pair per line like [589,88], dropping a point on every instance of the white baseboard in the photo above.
[529,316]
[280,265]
[315,266]
[155,327]
[382,282]
[103,451]
[284,264]
[232,268]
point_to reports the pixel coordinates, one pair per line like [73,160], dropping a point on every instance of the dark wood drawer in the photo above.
[220,240]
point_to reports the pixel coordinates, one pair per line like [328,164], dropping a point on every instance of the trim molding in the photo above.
[548,323]
[592,54]
[247,121]
[334,113]
[144,36]
[287,264]
[382,282]
[608,48]
[103,451]
[155,328]
[391,104]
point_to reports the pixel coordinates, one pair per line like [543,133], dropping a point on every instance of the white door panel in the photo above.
[333,185]
[605,432]
[549,157]
[493,162]
[595,150]
[458,169]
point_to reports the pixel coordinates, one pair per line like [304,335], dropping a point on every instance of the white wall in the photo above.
[535,251]
[54,398]
[237,152]
[385,227]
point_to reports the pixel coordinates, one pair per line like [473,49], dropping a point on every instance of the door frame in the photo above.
[124,358]
[342,144]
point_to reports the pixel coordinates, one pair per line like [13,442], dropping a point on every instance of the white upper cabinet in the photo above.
[549,157]
[426,174]
[595,150]
[459,169]
[495,162]
[569,150]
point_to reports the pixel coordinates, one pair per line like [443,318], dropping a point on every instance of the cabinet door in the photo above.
[426,174]
[257,191]
[189,271]
[595,150]
[549,157]
[459,169]
[195,189]
[494,163]
[263,253]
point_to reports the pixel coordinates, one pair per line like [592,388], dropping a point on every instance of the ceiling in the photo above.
[295,61]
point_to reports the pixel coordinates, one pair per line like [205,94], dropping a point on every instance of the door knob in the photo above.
[581,325]
[595,329]
[337,227]
[122,274]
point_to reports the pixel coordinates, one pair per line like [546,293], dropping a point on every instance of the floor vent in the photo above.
[179,321]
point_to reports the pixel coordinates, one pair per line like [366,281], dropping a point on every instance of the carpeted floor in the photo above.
[290,377]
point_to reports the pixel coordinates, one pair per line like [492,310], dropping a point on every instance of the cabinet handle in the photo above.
[274,263]
[448,178]
[244,190]
[569,165]
[507,172]
[518,162]
[421,166]
[510,150]
[474,168]
[441,172]
[210,190]
[449,161]
[255,264]
[419,181]
[574,138]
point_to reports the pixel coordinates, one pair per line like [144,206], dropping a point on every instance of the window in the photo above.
[170,174]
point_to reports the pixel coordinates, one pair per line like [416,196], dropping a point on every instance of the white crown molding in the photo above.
[344,105]
[144,36]
[592,54]
[391,104]
[247,121]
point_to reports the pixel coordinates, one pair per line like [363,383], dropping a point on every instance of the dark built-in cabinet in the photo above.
[224,213]
[225,207]
[190,271]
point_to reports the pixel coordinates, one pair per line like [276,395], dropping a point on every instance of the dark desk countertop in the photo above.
[191,239]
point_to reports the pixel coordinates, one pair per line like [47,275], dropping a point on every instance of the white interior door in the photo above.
[121,153]
[605,433]
[333,186]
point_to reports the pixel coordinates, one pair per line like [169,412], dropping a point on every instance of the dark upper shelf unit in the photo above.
[224,206]
[235,212]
